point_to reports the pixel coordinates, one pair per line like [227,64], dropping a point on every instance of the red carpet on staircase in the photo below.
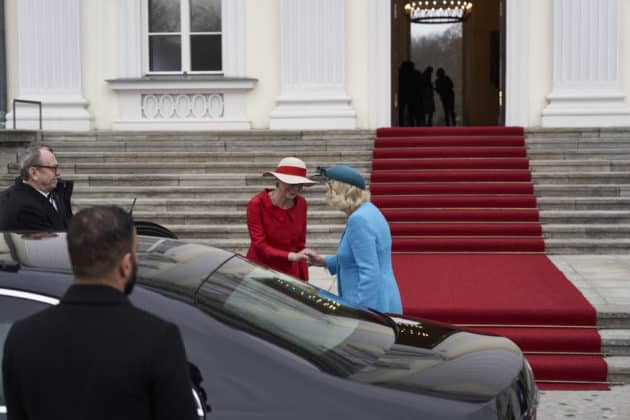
[468,246]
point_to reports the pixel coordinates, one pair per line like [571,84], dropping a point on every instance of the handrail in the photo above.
[26,101]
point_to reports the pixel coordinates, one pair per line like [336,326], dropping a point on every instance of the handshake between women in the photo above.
[310,256]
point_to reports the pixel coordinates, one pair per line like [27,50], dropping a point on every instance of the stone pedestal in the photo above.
[312,67]
[586,89]
[49,49]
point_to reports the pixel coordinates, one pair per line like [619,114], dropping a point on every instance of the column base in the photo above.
[313,113]
[586,109]
[60,114]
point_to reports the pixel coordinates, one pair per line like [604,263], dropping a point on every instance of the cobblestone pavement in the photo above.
[585,405]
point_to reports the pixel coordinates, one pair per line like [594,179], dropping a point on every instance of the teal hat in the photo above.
[344,174]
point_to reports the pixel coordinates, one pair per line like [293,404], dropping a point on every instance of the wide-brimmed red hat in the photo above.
[291,170]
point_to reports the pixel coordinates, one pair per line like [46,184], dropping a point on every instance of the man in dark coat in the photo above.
[444,87]
[95,355]
[39,200]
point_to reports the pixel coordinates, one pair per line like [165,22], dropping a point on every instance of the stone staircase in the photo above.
[582,182]
[198,184]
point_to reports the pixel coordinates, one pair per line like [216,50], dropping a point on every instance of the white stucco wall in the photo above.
[263,58]
[356,47]
[98,50]
[11,45]
[540,58]
[625,48]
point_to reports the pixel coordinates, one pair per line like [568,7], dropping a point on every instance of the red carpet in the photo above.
[468,247]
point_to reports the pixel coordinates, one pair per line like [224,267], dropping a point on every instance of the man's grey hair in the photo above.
[31,158]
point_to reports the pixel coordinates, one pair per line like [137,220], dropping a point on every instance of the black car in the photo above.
[263,345]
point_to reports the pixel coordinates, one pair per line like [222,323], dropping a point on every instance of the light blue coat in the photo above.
[363,263]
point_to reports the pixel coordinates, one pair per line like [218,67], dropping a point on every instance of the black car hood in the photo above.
[432,358]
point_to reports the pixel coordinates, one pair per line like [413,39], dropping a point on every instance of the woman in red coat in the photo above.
[276,220]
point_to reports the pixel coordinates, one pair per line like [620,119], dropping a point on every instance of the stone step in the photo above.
[613,317]
[584,216]
[315,197]
[567,178]
[559,154]
[287,148]
[587,246]
[616,342]
[172,180]
[185,204]
[272,158]
[575,138]
[315,232]
[584,193]
[544,192]
[324,247]
[260,135]
[582,190]
[588,165]
[585,231]
[583,203]
[573,144]
[187,168]
[319,217]
[161,193]
[618,369]
[263,140]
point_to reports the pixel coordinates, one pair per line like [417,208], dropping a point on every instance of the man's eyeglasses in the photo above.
[52,168]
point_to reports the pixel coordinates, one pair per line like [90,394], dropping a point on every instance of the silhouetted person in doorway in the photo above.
[418,106]
[444,88]
[406,94]
[428,101]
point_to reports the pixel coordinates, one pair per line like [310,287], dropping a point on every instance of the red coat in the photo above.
[274,232]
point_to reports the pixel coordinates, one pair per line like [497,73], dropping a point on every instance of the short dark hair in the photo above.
[98,237]
[32,158]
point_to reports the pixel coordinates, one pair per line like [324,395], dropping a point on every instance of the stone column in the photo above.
[49,49]
[312,67]
[586,89]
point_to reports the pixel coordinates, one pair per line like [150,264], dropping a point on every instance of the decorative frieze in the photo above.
[182,103]
[182,106]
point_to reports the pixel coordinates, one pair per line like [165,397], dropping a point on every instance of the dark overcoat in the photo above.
[96,356]
[23,208]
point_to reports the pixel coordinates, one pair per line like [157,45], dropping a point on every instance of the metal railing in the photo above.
[26,101]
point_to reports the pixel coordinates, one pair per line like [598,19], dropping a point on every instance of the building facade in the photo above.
[289,64]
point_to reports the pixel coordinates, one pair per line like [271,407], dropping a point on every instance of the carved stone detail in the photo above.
[180,106]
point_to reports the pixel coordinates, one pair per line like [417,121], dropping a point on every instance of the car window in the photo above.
[14,308]
[295,315]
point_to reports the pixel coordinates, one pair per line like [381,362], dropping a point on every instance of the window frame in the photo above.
[184,36]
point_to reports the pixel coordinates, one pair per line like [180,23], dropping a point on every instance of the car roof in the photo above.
[172,265]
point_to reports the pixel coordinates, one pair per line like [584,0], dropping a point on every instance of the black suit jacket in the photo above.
[96,356]
[23,208]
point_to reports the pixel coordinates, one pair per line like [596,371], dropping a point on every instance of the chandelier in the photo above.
[438,11]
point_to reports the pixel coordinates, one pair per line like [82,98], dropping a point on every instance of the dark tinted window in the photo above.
[13,309]
[165,53]
[205,52]
[295,315]
[176,268]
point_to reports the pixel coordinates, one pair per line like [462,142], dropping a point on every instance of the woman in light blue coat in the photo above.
[363,263]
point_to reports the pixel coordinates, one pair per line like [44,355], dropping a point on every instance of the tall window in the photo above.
[184,36]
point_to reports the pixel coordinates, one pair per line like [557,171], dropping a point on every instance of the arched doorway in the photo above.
[472,53]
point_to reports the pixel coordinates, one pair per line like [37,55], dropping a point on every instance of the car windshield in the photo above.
[297,316]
